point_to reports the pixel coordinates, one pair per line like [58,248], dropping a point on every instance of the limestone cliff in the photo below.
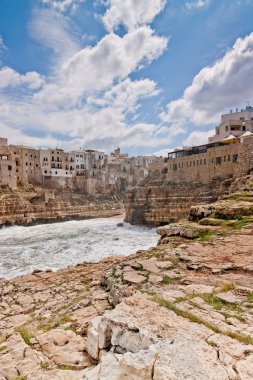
[158,202]
[29,205]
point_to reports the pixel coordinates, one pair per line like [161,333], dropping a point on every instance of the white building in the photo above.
[234,123]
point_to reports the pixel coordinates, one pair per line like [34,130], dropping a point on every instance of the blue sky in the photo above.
[147,75]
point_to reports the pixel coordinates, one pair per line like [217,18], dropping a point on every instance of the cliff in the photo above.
[158,202]
[181,310]
[30,205]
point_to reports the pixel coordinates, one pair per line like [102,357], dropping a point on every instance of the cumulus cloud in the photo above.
[95,68]
[11,78]
[221,86]
[198,137]
[131,13]
[62,5]
[197,4]
[89,99]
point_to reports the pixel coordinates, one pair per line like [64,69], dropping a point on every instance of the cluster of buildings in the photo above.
[89,171]
[228,153]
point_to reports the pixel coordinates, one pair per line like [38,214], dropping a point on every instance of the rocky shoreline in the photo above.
[183,309]
[31,205]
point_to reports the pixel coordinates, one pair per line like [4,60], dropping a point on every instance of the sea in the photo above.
[58,245]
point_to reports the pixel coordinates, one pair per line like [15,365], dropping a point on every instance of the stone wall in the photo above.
[230,160]
[174,186]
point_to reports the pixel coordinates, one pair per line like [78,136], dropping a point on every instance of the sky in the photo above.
[145,75]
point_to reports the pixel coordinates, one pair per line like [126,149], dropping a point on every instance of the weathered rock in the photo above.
[134,278]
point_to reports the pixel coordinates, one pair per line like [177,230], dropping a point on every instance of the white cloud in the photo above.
[89,99]
[197,4]
[55,32]
[214,89]
[11,78]
[62,5]
[198,137]
[96,68]
[2,45]
[131,13]
[126,95]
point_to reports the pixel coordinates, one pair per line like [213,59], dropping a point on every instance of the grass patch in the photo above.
[205,236]
[226,286]
[185,314]
[67,367]
[44,365]
[19,378]
[25,333]
[195,319]
[2,348]
[218,304]
[166,280]
[114,271]
[212,344]
[250,296]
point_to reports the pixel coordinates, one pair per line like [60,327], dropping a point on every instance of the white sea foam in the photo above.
[53,246]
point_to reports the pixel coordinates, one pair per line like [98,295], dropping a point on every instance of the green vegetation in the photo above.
[218,304]
[166,280]
[2,348]
[44,365]
[226,286]
[250,296]
[19,378]
[205,236]
[195,319]
[212,344]
[25,333]
[67,367]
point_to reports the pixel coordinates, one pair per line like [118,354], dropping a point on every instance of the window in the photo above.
[218,160]
[201,162]
[204,161]
[224,158]
[56,172]
[174,167]
[226,128]
[235,156]
[45,171]
[242,118]
[243,128]
[229,157]
[9,167]
[77,166]
[26,164]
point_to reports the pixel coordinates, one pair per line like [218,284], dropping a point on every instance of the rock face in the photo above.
[181,310]
[32,205]
[157,202]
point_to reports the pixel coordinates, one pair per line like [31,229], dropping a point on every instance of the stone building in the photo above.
[207,162]
[7,166]
[28,167]
[235,123]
